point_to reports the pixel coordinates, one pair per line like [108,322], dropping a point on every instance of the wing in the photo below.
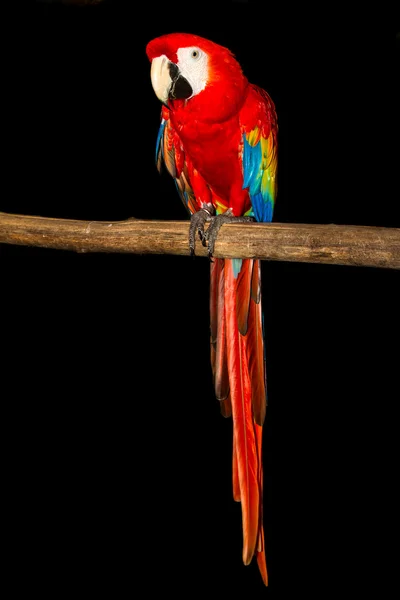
[170,151]
[259,128]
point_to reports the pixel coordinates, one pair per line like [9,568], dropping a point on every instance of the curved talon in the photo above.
[211,234]
[197,221]
[209,237]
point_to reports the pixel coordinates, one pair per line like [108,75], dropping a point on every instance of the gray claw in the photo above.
[197,221]
[216,223]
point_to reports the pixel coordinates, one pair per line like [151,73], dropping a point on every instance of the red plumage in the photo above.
[202,142]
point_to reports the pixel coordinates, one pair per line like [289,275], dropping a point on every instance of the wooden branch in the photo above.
[328,244]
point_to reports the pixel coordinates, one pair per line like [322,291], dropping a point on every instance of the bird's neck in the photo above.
[213,105]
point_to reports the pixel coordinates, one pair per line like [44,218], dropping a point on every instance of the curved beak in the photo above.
[167,81]
[160,77]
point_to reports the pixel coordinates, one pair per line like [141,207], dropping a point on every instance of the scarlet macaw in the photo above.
[218,140]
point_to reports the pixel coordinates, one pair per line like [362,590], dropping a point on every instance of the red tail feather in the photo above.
[235,474]
[237,353]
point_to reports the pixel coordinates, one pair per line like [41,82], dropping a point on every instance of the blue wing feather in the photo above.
[251,161]
[261,194]
[159,145]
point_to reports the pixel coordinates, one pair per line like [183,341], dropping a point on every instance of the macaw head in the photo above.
[201,73]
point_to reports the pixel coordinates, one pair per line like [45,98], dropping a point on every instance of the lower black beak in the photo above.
[180,88]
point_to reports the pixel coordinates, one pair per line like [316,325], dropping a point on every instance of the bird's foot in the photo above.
[197,222]
[210,236]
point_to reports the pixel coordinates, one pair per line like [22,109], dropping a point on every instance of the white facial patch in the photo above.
[193,65]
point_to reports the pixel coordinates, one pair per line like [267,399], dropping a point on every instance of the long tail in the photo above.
[238,363]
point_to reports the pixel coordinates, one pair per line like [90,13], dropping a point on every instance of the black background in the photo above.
[119,461]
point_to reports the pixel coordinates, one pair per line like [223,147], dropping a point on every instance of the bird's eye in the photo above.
[195,54]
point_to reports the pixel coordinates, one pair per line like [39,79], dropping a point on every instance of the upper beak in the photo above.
[167,81]
[160,77]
